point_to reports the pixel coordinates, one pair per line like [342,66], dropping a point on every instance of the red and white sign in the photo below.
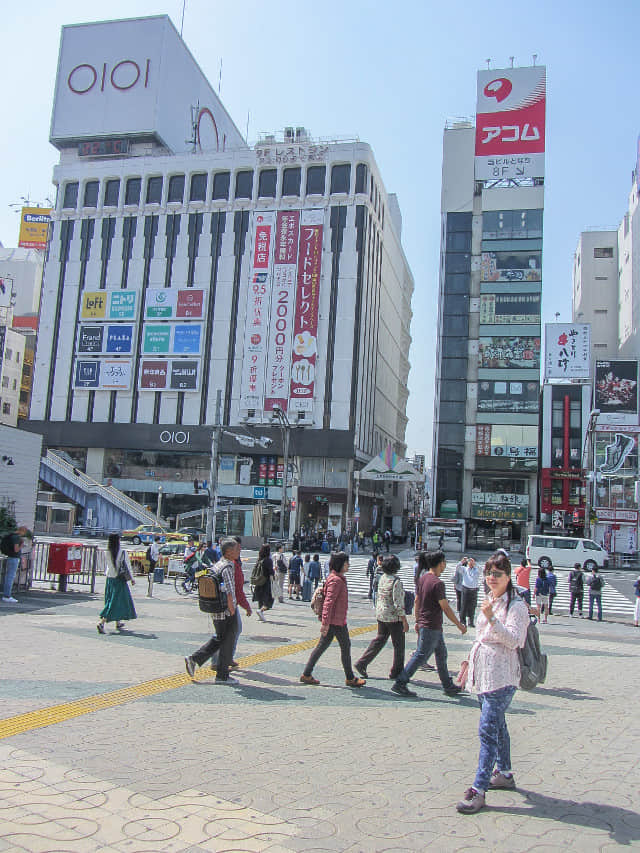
[190,303]
[510,123]
[257,315]
[305,327]
[626,515]
[282,308]
[153,375]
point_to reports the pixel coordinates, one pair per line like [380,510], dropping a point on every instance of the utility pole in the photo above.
[285,428]
[213,471]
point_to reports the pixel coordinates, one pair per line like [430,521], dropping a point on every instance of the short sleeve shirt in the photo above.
[431,591]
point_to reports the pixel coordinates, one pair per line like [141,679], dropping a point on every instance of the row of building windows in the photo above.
[243,186]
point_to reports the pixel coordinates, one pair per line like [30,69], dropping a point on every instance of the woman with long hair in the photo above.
[262,594]
[334,622]
[118,604]
[494,674]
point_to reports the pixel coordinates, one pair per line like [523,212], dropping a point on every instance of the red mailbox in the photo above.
[65,558]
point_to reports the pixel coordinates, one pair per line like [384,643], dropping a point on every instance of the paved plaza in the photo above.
[105,743]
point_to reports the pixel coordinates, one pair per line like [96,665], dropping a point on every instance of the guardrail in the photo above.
[92,563]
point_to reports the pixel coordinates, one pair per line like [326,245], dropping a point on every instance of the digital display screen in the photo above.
[103,148]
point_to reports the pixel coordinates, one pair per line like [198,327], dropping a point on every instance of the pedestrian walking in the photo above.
[262,592]
[118,604]
[306,580]
[376,577]
[371,571]
[154,554]
[11,547]
[392,620]
[523,573]
[576,589]
[334,622]
[457,582]
[315,571]
[636,589]
[494,674]
[469,597]
[282,567]
[387,539]
[596,583]
[431,604]
[295,568]
[553,586]
[241,601]
[224,622]
[420,568]
[542,593]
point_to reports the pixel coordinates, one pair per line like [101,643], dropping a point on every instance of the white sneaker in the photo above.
[261,615]
[9,600]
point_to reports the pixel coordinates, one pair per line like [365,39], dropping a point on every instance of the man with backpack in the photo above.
[281,571]
[595,593]
[10,546]
[576,589]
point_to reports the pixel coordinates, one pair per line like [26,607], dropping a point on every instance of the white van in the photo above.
[563,551]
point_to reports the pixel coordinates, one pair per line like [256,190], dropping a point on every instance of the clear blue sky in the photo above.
[391,73]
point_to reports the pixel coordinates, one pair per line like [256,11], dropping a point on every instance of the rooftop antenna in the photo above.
[511,58]
[193,142]
[535,59]
[557,316]
[246,136]
[488,61]
[184,3]
[220,77]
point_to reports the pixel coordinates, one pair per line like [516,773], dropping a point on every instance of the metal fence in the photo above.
[37,561]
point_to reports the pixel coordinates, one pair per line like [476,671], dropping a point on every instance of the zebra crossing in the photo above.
[614,603]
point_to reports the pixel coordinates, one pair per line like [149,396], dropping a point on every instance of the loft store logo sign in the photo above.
[175,437]
[124,75]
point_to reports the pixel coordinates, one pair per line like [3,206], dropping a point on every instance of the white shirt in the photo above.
[470,577]
[111,570]
[155,551]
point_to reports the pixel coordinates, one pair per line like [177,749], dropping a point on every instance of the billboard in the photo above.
[109,305]
[511,266]
[510,123]
[502,309]
[172,339]
[616,392]
[166,303]
[34,227]
[510,397]
[509,351]
[567,350]
[305,326]
[176,374]
[102,374]
[101,338]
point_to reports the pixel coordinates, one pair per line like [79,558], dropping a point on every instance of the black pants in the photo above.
[468,607]
[552,595]
[341,633]
[222,642]
[458,600]
[577,595]
[394,630]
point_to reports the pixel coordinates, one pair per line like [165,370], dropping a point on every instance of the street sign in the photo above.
[259,493]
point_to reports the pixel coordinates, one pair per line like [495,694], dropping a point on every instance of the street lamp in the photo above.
[588,465]
[285,428]
[159,507]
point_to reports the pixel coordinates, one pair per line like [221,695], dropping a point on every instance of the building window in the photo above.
[361,178]
[18,357]
[316,179]
[575,414]
[6,409]
[132,191]
[508,224]
[111,193]
[198,188]
[176,189]
[91,194]
[603,252]
[5,381]
[291,181]
[557,416]
[458,241]
[244,184]
[8,353]
[221,181]
[70,200]
[14,385]
[267,183]
[154,190]
[340,178]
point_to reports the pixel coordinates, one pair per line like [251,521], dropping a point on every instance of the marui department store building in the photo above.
[177,270]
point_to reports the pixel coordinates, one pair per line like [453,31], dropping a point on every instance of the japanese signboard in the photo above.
[616,392]
[518,351]
[172,339]
[90,339]
[567,351]
[511,266]
[108,305]
[166,303]
[502,309]
[285,262]
[511,451]
[177,374]
[153,374]
[499,505]
[483,440]
[103,374]
[115,339]
[511,397]
[34,227]
[510,123]
[257,312]
[280,153]
[184,374]
[305,328]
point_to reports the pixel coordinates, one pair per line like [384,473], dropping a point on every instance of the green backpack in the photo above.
[258,577]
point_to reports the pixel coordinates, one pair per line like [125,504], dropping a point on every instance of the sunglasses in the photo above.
[494,573]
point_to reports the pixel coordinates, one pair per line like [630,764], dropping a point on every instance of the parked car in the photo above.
[565,551]
[169,551]
[184,533]
[144,533]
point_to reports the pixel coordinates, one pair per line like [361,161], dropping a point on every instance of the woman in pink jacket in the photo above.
[334,622]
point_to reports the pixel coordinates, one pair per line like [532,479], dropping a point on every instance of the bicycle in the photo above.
[185,583]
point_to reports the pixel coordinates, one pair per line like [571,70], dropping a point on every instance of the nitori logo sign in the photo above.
[500,88]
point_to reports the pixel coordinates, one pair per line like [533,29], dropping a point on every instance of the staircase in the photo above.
[112,509]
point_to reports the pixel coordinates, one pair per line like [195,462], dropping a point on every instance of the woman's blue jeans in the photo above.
[495,744]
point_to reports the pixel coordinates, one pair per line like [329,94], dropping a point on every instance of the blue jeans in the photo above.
[429,641]
[10,575]
[598,600]
[495,743]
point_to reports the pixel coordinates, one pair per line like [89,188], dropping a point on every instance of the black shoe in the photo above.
[402,689]
[453,690]
[362,670]
[190,666]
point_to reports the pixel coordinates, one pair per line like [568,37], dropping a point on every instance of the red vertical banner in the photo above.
[305,326]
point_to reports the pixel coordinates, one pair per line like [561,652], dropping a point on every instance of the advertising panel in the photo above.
[90,339]
[120,339]
[616,392]
[184,374]
[510,123]
[34,227]
[172,339]
[109,305]
[502,309]
[168,303]
[511,266]
[153,374]
[305,327]
[518,351]
[190,303]
[178,374]
[285,261]
[106,339]
[103,374]
[509,397]
[483,440]
[567,350]
[257,315]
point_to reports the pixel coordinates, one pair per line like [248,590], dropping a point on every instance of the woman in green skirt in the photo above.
[118,604]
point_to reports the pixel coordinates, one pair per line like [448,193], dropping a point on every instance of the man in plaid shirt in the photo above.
[225,622]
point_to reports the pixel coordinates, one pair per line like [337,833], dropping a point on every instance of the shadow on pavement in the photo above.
[34,600]
[568,693]
[125,632]
[250,691]
[623,825]
[255,638]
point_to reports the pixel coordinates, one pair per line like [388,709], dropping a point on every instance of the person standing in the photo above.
[282,568]
[553,585]
[306,580]
[371,571]
[295,568]
[334,622]
[118,604]
[523,573]
[387,539]
[469,598]
[494,674]
[154,553]
[262,594]
[224,622]
[542,593]
[636,589]
[392,620]
[376,577]
[596,582]
[431,604]
[11,548]
[457,582]
[314,571]
[576,589]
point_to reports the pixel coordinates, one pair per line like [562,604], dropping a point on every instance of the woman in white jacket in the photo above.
[118,604]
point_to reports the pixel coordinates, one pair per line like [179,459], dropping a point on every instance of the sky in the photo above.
[390,74]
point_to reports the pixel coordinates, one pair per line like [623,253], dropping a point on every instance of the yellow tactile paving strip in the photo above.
[22,723]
